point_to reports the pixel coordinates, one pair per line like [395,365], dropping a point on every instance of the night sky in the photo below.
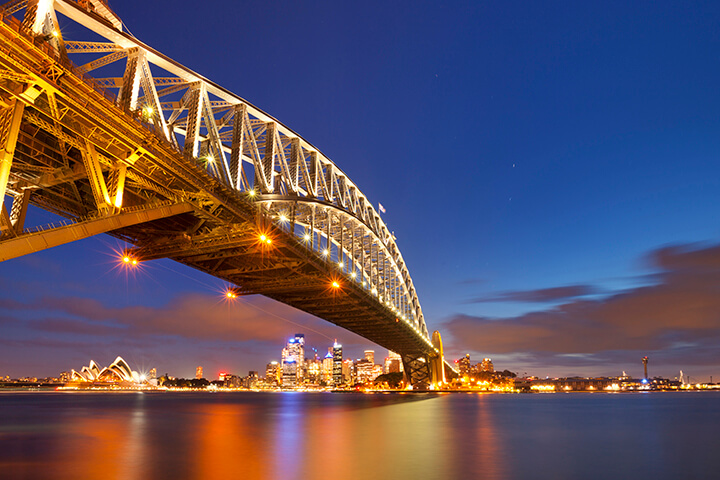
[551,171]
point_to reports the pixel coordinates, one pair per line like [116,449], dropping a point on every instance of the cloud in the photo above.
[543,295]
[195,317]
[677,318]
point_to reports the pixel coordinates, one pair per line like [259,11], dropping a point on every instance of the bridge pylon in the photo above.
[427,371]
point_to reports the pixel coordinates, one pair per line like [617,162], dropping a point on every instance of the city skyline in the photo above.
[553,187]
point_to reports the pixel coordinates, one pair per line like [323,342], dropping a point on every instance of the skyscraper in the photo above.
[199,373]
[487,365]
[327,367]
[393,363]
[289,379]
[271,373]
[370,356]
[337,364]
[295,350]
[464,365]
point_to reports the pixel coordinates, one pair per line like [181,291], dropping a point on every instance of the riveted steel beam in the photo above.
[43,239]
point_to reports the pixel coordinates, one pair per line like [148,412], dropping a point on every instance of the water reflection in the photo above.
[354,436]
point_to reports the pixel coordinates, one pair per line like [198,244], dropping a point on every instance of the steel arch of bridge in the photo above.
[282,182]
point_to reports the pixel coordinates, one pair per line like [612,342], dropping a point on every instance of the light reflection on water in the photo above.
[354,436]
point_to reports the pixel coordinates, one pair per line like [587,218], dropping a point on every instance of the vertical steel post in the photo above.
[10,120]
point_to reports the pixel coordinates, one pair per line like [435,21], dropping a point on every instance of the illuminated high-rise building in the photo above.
[348,371]
[290,377]
[199,373]
[370,356]
[393,363]
[365,371]
[487,366]
[327,367]
[273,374]
[152,375]
[464,366]
[295,350]
[251,380]
[313,367]
[337,364]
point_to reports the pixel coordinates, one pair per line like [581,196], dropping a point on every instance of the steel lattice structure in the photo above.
[163,158]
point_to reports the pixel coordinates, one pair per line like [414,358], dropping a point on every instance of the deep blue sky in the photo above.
[550,170]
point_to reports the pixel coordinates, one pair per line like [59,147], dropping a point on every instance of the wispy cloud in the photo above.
[543,295]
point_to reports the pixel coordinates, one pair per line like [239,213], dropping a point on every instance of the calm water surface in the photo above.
[287,436]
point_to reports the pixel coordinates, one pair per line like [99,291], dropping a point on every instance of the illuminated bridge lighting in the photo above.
[129,260]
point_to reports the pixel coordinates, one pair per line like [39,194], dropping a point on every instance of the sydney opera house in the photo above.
[117,373]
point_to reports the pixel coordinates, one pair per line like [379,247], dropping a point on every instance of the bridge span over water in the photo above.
[117,138]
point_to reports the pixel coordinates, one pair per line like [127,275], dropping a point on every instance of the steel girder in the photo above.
[34,241]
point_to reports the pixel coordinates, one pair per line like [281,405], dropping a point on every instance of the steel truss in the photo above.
[151,130]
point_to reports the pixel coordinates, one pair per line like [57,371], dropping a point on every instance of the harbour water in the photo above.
[91,435]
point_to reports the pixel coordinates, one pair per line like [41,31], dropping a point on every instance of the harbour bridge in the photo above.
[117,138]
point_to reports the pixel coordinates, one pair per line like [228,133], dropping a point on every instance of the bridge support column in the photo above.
[417,371]
[96,178]
[437,363]
[10,119]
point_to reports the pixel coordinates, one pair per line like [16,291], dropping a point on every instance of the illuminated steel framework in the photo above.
[164,159]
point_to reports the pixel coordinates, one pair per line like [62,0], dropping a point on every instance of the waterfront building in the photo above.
[487,366]
[338,370]
[370,356]
[290,377]
[312,370]
[251,380]
[231,381]
[348,371]
[464,366]
[117,372]
[327,368]
[295,350]
[393,363]
[273,373]
[363,371]
[199,373]
[153,374]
